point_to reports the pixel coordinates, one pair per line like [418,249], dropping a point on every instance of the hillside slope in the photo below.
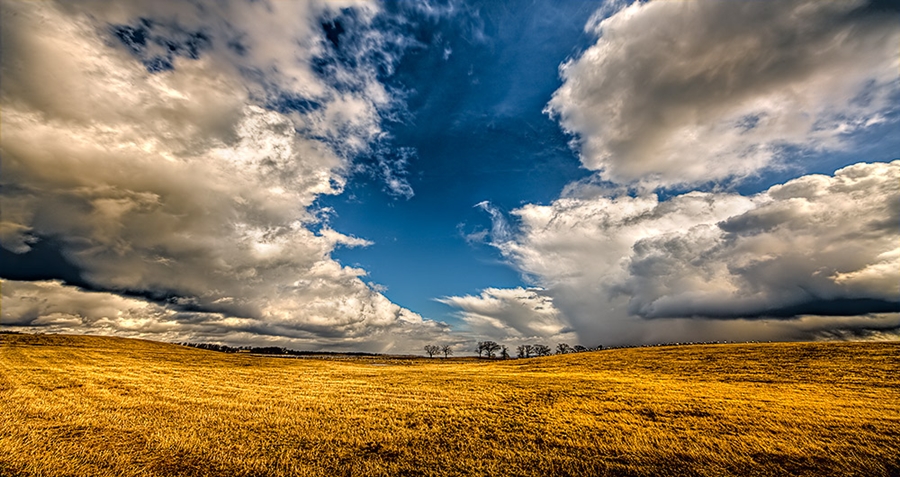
[98,406]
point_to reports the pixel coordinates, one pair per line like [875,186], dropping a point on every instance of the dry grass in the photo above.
[93,406]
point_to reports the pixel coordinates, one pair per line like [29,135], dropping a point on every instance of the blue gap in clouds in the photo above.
[877,143]
[345,62]
[156,45]
[286,103]
[348,42]
[475,86]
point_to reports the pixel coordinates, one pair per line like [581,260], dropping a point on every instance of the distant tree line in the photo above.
[492,350]
[484,349]
[433,350]
[269,350]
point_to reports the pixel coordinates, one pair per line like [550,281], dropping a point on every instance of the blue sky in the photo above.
[375,176]
[477,88]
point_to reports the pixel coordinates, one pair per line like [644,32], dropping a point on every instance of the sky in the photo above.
[377,176]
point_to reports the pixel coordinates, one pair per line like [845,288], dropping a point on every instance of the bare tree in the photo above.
[563,348]
[525,351]
[490,348]
[541,350]
[579,348]
[504,353]
[432,350]
[447,350]
[480,348]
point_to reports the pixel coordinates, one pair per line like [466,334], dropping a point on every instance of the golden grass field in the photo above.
[98,406]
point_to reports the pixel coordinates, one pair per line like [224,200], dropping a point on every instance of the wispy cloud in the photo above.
[500,229]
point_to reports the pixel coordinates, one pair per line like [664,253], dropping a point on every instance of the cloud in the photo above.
[500,229]
[55,307]
[51,306]
[684,93]
[390,165]
[632,269]
[175,150]
[814,239]
[505,314]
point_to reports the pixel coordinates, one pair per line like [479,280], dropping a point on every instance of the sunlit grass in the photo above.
[94,406]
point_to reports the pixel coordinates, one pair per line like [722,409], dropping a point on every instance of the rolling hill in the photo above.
[103,406]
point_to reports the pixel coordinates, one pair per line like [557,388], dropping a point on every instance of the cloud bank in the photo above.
[818,256]
[51,306]
[175,151]
[685,93]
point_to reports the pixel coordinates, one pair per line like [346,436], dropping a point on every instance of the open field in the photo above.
[95,406]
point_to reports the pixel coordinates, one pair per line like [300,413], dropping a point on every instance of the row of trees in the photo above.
[492,349]
[276,350]
[528,351]
[433,350]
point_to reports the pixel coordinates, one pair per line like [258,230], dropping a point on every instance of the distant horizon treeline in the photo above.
[269,350]
[484,349]
[492,349]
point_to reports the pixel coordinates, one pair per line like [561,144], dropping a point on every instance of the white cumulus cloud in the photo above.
[684,93]
[190,177]
[711,265]
[510,314]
